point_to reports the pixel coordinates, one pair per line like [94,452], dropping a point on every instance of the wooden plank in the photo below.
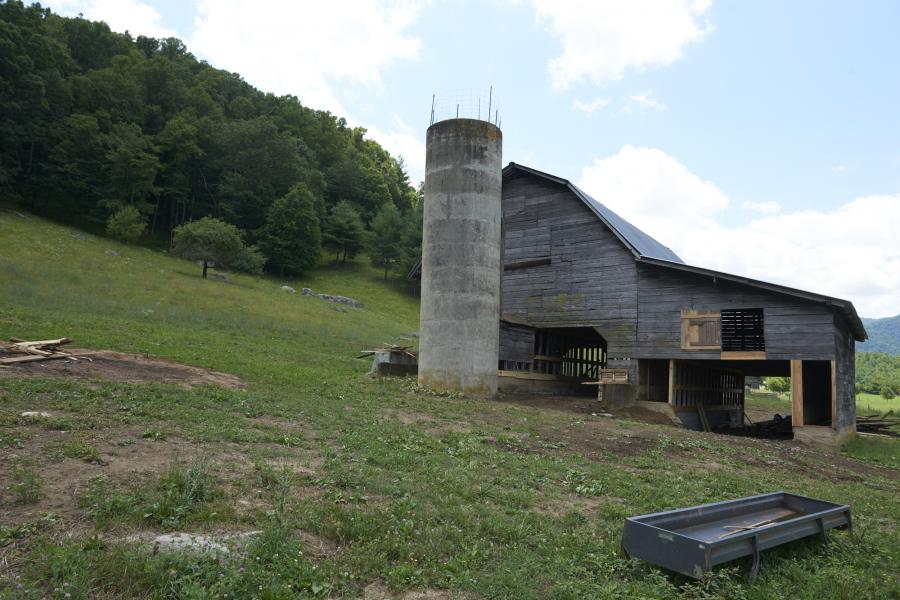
[31,358]
[545,358]
[700,314]
[797,393]
[538,376]
[57,342]
[743,355]
[707,407]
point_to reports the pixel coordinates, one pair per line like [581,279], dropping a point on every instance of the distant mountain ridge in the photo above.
[884,335]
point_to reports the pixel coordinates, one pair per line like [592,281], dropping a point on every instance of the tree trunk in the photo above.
[385,270]
[205,265]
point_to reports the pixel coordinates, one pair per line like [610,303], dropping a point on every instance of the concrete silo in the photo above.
[461,268]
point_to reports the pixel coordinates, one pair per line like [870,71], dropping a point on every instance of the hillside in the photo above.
[884,335]
[355,488]
[104,130]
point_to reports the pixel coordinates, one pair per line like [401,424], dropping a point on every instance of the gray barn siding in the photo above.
[845,375]
[794,328]
[592,278]
[516,343]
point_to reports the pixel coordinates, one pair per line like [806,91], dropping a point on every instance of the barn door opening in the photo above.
[812,392]
[578,352]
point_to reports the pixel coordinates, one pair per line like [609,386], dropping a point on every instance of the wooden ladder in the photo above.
[701,412]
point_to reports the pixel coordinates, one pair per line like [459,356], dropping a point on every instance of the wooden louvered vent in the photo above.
[743,330]
[700,330]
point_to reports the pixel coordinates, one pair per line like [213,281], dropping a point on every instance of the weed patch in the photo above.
[25,482]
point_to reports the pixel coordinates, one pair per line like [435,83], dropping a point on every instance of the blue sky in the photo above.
[760,138]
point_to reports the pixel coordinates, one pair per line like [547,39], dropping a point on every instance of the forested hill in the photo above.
[93,121]
[884,335]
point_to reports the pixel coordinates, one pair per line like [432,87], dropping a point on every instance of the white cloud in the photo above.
[602,39]
[839,168]
[306,48]
[649,186]
[133,16]
[766,208]
[850,252]
[590,107]
[639,103]
[403,140]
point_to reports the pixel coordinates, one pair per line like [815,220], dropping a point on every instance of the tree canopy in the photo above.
[208,240]
[343,232]
[291,237]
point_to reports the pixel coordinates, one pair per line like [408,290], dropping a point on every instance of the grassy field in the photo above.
[357,488]
[875,404]
[866,404]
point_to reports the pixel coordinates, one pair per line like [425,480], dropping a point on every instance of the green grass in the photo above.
[354,482]
[876,404]
[866,404]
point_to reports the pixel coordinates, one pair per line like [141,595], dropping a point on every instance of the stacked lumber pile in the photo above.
[392,360]
[392,348]
[884,426]
[23,351]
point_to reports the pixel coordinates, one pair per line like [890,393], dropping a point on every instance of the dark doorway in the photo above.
[817,392]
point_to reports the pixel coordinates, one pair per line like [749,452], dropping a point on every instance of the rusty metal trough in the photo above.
[691,541]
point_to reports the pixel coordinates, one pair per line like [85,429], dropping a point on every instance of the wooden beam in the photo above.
[743,355]
[797,393]
[834,394]
[538,262]
[671,383]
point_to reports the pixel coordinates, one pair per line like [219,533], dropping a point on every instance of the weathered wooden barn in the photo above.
[587,296]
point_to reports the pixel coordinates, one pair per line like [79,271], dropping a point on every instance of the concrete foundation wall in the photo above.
[461,264]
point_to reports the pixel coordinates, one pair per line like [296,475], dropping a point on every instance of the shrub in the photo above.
[248,260]
[26,483]
[126,224]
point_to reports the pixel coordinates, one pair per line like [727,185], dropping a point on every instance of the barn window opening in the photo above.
[743,330]
[700,330]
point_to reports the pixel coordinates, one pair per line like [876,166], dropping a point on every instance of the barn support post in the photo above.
[797,393]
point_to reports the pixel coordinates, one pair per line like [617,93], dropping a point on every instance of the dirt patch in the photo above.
[645,415]
[430,423]
[380,591]
[126,458]
[303,466]
[582,405]
[317,547]
[118,366]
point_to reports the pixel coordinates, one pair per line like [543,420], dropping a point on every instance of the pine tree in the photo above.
[343,232]
[385,238]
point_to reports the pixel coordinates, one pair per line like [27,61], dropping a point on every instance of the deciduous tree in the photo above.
[291,239]
[208,240]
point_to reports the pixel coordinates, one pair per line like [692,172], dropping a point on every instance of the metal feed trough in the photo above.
[691,541]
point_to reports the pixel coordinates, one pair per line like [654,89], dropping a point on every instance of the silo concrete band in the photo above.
[460,309]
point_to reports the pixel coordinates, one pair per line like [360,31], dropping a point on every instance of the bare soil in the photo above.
[119,366]
[606,438]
